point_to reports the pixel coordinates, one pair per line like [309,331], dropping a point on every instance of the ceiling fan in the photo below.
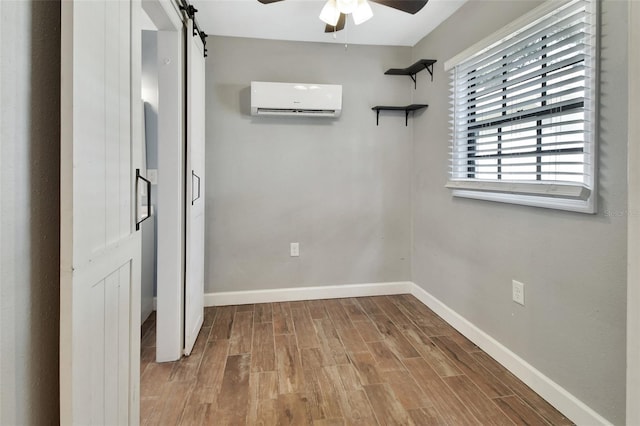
[334,13]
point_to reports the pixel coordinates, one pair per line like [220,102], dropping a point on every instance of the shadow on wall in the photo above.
[43,306]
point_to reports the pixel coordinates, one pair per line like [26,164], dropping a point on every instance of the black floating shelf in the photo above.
[422,64]
[406,109]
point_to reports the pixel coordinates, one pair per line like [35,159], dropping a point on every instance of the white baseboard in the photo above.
[555,394]
[306,293]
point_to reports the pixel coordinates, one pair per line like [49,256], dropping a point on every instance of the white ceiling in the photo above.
[298,20]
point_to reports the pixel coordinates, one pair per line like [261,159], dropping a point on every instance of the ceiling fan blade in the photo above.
[268,1]
[339,26]
[409,6]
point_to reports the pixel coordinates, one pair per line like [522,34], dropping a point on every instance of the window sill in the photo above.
[569,197]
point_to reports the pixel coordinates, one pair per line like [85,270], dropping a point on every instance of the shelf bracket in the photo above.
[406,117]
[429,69]
[414,77]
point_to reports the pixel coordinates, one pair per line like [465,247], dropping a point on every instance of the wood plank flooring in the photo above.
[384,360]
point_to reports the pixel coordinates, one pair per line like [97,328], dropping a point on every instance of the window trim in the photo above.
[562,196]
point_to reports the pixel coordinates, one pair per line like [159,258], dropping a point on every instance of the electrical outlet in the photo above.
[517,289]
[294,249]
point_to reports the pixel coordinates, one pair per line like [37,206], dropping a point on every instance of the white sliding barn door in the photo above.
[194,277]
[100,248]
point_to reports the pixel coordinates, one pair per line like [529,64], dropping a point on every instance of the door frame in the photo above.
[170,220]
[633,223]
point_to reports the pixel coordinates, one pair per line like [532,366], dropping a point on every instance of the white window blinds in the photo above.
[523,111]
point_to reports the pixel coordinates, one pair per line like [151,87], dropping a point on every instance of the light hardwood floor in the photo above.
[385,360]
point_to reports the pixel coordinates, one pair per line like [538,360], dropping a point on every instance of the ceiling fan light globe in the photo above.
[347,6]
[330,13]
[362,13]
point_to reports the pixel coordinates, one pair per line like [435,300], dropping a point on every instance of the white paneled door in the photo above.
[100,248]
[194,277]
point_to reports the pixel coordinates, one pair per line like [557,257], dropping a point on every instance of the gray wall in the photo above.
[149,83]
[341,188]
[29,211]
[466,252]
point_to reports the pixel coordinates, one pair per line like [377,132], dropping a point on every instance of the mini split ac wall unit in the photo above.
[296,99]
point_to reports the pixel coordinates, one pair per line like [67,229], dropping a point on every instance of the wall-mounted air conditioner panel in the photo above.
[296,99]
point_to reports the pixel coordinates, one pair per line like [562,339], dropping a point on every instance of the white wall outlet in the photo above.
[517,289]
[294,249]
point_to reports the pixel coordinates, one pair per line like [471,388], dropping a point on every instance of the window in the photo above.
[524,111]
